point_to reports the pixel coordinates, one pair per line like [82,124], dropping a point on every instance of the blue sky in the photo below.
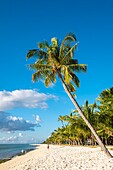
[28,111]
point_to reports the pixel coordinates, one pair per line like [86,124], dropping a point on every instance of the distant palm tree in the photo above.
[106,115]
[61,118]
[57,60]
[106,101]
[90,114]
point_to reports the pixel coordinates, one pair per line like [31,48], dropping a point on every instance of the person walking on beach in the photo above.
[48,146]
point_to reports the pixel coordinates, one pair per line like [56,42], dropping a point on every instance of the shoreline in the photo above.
[23,152]
[20,152]
[60,157]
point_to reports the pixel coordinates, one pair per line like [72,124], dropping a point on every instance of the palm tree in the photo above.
[77,126]
[61,118]
[58,60]
[90,114]
[106,114]
[106,101]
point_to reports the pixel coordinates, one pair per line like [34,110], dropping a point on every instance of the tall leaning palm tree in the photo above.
[58,60]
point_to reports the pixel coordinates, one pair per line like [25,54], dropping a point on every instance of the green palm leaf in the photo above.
[36,53]
[71,87]
[43,45]
[69,55]
[31,53]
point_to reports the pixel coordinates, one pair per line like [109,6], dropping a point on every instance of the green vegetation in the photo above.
[74,130]
[57,60]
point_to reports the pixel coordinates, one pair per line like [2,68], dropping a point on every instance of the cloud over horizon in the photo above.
[23,99]
[12,123]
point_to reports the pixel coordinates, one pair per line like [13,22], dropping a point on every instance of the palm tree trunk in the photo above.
[103,147]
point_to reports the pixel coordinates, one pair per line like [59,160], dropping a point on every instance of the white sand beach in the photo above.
[61,158]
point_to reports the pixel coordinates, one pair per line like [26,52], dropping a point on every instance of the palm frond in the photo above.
[36,53]
[69,55]
[67,42]
[66,74]
[73,61]
[70,37]
[47,81]
[54,42]
[31,53]
[36,76]
[44,45]
[50,79]
[75,79]
[78,67]
[38,66]
[71,87]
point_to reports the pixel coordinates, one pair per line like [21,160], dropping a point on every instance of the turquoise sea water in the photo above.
[9,150]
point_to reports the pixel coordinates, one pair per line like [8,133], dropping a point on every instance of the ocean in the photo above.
[8,151]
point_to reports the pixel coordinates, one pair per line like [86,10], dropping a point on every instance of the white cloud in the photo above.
[9,139]
[37,118]
[23,99]
[12,138]
[20,135]
[11,123]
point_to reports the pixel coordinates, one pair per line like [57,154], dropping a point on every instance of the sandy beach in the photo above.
[61,158]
